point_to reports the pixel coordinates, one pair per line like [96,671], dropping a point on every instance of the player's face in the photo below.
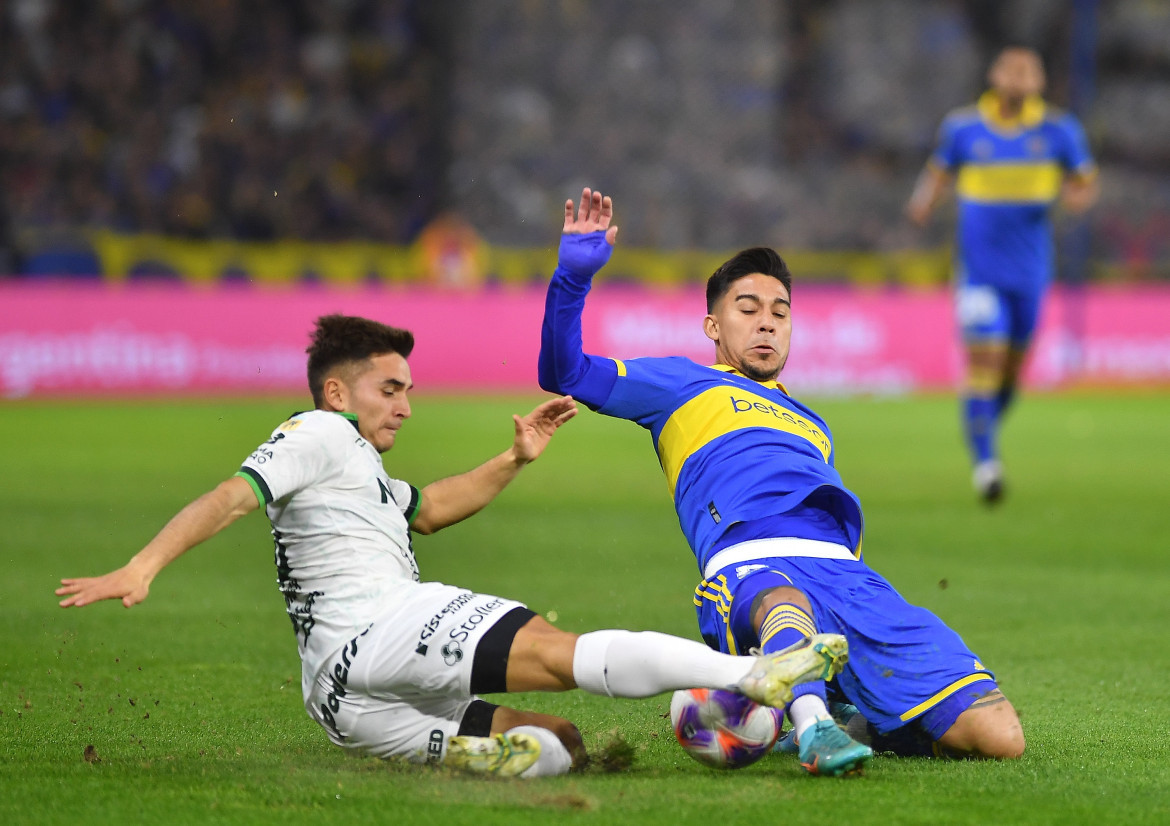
[378,396]
[751,326]
[1017,74]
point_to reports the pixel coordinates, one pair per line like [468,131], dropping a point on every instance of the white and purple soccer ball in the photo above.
[723,729]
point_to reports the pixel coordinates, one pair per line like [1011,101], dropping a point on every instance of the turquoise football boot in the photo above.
[842,713]
[825,749]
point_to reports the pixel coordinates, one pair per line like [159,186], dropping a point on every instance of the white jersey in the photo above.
[341,527]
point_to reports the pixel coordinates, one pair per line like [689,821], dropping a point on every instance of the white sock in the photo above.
[806,710]
[554,757]
[645,663]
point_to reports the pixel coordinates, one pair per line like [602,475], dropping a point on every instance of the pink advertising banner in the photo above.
[92,339]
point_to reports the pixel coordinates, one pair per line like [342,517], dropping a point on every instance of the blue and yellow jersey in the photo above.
[742,459]
[733,450]
[1007,176]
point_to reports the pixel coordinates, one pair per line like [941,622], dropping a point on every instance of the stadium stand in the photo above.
[254,120]
[724,123]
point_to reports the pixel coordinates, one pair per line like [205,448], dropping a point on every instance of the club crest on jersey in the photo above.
[744,570]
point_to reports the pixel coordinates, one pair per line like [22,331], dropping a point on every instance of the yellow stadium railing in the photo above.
[130,257]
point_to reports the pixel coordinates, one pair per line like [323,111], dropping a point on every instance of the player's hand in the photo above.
[1079,193]
[594,214]
[534,430]
[128,584]
[588,236]
[918,212]
[932,183]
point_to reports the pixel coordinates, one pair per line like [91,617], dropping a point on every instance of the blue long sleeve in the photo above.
[563,366]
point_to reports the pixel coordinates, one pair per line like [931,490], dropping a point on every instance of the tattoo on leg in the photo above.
[991,698]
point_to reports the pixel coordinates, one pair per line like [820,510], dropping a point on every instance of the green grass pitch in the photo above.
[188,705]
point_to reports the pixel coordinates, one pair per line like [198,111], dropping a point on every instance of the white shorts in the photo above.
[402,687]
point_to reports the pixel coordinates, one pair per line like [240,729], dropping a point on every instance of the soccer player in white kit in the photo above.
[391,666]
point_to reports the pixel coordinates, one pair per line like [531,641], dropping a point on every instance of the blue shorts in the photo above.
[988,313]
[904,665]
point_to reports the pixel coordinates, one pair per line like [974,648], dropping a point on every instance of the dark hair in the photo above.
[1016,46]
[344,339]
[763,260]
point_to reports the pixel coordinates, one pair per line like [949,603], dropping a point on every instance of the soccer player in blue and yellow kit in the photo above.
[1010,157]
[775,532]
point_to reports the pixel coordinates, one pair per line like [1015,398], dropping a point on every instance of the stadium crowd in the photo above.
[256,119]
[799,124]
[802,124]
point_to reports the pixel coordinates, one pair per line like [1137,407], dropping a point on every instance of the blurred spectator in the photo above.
[452,253]
[721,123]
[798,124]
[674,103]
[255,119]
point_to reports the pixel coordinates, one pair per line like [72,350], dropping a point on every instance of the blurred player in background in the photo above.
[1010,156]
[774,530]
[391,665]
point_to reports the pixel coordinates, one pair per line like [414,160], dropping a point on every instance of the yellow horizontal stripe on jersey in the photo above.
[1012,182]
[722,410]
[942,695]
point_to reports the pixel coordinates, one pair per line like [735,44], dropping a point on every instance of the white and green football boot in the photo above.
[770,682]
[501,755]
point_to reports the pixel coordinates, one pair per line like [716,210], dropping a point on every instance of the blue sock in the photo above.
[979,424]
[784,626]
[908,741]
[1004,399]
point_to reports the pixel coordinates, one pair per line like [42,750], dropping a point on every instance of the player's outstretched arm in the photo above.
[200,520]
[587,237]
[929,189]
[587,240]
[455,498]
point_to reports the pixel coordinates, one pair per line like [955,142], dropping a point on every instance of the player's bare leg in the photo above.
[506,719]
[989,729]
[521,743]
[541,658]
[526,743]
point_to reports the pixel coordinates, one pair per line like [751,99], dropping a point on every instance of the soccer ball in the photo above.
[723,729]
